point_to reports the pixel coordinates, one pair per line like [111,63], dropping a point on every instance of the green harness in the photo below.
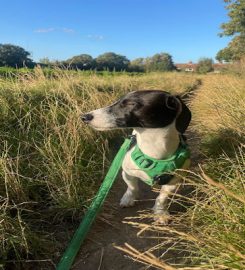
[160,171]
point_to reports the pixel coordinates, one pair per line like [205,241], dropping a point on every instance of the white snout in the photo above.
[102,119]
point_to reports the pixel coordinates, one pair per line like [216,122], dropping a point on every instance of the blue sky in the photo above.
[60,29]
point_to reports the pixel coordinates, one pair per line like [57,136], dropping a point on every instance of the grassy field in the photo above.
[52,164]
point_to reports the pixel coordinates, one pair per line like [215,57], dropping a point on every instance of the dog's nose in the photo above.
[87,117]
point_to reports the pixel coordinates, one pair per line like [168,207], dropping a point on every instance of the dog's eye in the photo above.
[127,102]
[132,103]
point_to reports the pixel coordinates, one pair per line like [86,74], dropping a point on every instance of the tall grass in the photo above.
[51,164]
[47,159]
[218,109]
[210,232]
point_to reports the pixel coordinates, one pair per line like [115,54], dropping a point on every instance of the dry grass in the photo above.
[210,232]
[219,106]
[51,164]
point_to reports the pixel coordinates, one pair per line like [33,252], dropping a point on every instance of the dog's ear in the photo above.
[183,118]
[172,103]
[183,114]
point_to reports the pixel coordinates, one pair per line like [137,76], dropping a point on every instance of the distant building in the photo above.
[191,67]
[187,67]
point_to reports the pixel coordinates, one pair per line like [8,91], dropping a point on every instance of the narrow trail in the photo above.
[98,251]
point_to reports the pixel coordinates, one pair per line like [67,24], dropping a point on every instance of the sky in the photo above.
[60,29]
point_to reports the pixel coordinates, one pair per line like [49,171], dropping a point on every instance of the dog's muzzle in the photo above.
[86,118]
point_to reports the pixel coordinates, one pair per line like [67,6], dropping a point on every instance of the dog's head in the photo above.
[145,109]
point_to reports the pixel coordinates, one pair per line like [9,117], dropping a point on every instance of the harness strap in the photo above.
[160,171]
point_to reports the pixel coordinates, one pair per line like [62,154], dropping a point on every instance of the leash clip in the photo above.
[132,139]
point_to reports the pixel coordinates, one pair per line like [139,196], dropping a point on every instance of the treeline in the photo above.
[18,57]
[112,61]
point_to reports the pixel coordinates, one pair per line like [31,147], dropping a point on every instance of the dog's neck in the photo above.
[158,143]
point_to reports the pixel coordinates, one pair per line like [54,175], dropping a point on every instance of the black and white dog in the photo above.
[158,119]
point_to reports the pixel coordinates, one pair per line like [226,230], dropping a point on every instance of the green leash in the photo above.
[79,236]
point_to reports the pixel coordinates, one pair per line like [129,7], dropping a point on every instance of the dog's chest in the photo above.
[131,168]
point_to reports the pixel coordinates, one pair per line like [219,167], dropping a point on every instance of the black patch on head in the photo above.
[148,109]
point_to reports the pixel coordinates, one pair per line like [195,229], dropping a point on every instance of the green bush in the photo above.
[205,65]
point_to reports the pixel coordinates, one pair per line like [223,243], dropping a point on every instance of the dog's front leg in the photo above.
[128,199]
[161,214]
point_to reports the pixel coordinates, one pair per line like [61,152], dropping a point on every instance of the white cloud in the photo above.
[52,29]
[44,30]
[96,37]
[67,30]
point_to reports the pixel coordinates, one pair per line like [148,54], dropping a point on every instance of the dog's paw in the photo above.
[162,217]
[127,200]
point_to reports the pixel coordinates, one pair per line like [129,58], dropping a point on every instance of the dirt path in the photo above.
[102,237]
[98,250]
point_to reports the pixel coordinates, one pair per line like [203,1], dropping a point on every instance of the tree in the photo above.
[111,61]
[137,65]
[235,27]
[234,51]
[14,56]
[82,61]
[205,65]
[45,61]
[159,62]
[224,55]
